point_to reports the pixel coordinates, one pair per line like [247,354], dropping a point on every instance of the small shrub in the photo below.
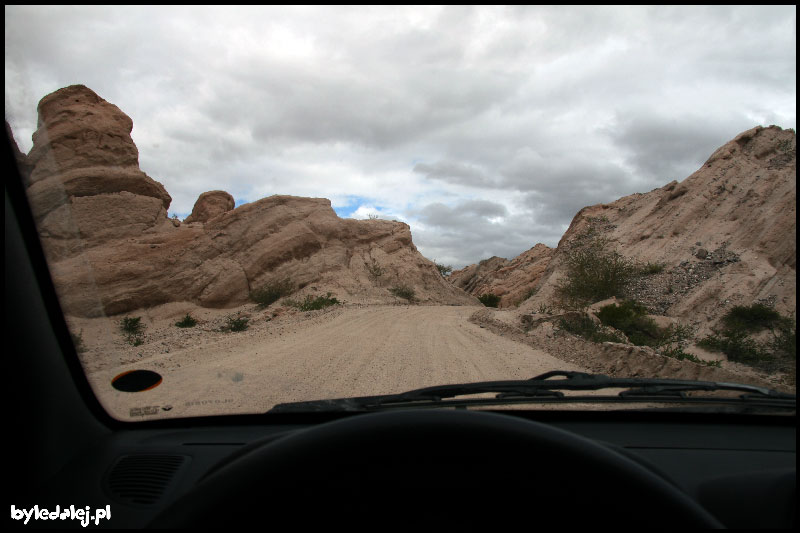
[271,292]
[675,334]
[650,269]
[753,318]
[594,272]
[737,345]
[403,291]
[236,323]
[133,330]
[444,270]
[374,269]
[786,145]
[680,355]
[545,309]
[132,325]
[186,322]
[588,329]
[312,304]
[489,299]
[629,318]
[734,339]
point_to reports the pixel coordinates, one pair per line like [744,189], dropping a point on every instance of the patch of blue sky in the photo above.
[353,206]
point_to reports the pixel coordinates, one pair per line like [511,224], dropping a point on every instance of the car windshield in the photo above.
[245,208]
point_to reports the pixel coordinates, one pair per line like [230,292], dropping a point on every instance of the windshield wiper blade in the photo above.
[539,386]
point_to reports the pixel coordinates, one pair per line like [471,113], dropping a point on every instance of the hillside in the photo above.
[511,280]
[725,236]
[113,249]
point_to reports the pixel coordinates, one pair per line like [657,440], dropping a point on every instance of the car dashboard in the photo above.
[403,468]
[742,471]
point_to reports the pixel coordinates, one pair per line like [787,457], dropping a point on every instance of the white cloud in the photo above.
[419,112]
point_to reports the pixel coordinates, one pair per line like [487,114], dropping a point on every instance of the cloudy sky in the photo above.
[484,128]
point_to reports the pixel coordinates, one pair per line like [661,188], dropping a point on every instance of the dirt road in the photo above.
[348,352]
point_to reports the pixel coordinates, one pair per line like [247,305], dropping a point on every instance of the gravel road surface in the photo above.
[347,352]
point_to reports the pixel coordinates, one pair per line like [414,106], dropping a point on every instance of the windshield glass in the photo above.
[246,207]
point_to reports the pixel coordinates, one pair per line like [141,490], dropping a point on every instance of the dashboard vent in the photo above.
[143,479]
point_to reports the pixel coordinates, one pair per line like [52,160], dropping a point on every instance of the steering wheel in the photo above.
[434,468]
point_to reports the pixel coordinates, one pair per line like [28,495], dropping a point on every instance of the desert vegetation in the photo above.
[235,324]
[737,337]
[375,270]
[628,322]
[133,330]
[311,303]
[531,292]
[186,322]
[648,269]
[594,272]
[271,292]
[444,270]
[489,299]
[403,291]
[583,326]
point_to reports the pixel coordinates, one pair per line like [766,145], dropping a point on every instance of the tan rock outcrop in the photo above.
[86,186]
[112,250]
[513,280]
[726,235]
[209,205]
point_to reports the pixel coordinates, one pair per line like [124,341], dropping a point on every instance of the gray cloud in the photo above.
[486,127]
[455,172]
[661,149]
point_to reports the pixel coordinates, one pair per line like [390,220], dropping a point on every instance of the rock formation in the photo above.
[512,280]
[726,235]
[210,205]
[86,187]
[111,248]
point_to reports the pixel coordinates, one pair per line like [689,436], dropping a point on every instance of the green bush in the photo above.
[489,299]
[587,328]
[312,304]
[737,345]
[630,318]
[271,292]
[649,269]
[594,272]
[734,339]
[133,330]
[403,291]
[236,323]
[676,334]
[132,325]
[753,318]
[186,322]
[444,270]
[678,353]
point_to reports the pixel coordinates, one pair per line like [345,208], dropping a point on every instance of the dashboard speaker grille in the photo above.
[143,479]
